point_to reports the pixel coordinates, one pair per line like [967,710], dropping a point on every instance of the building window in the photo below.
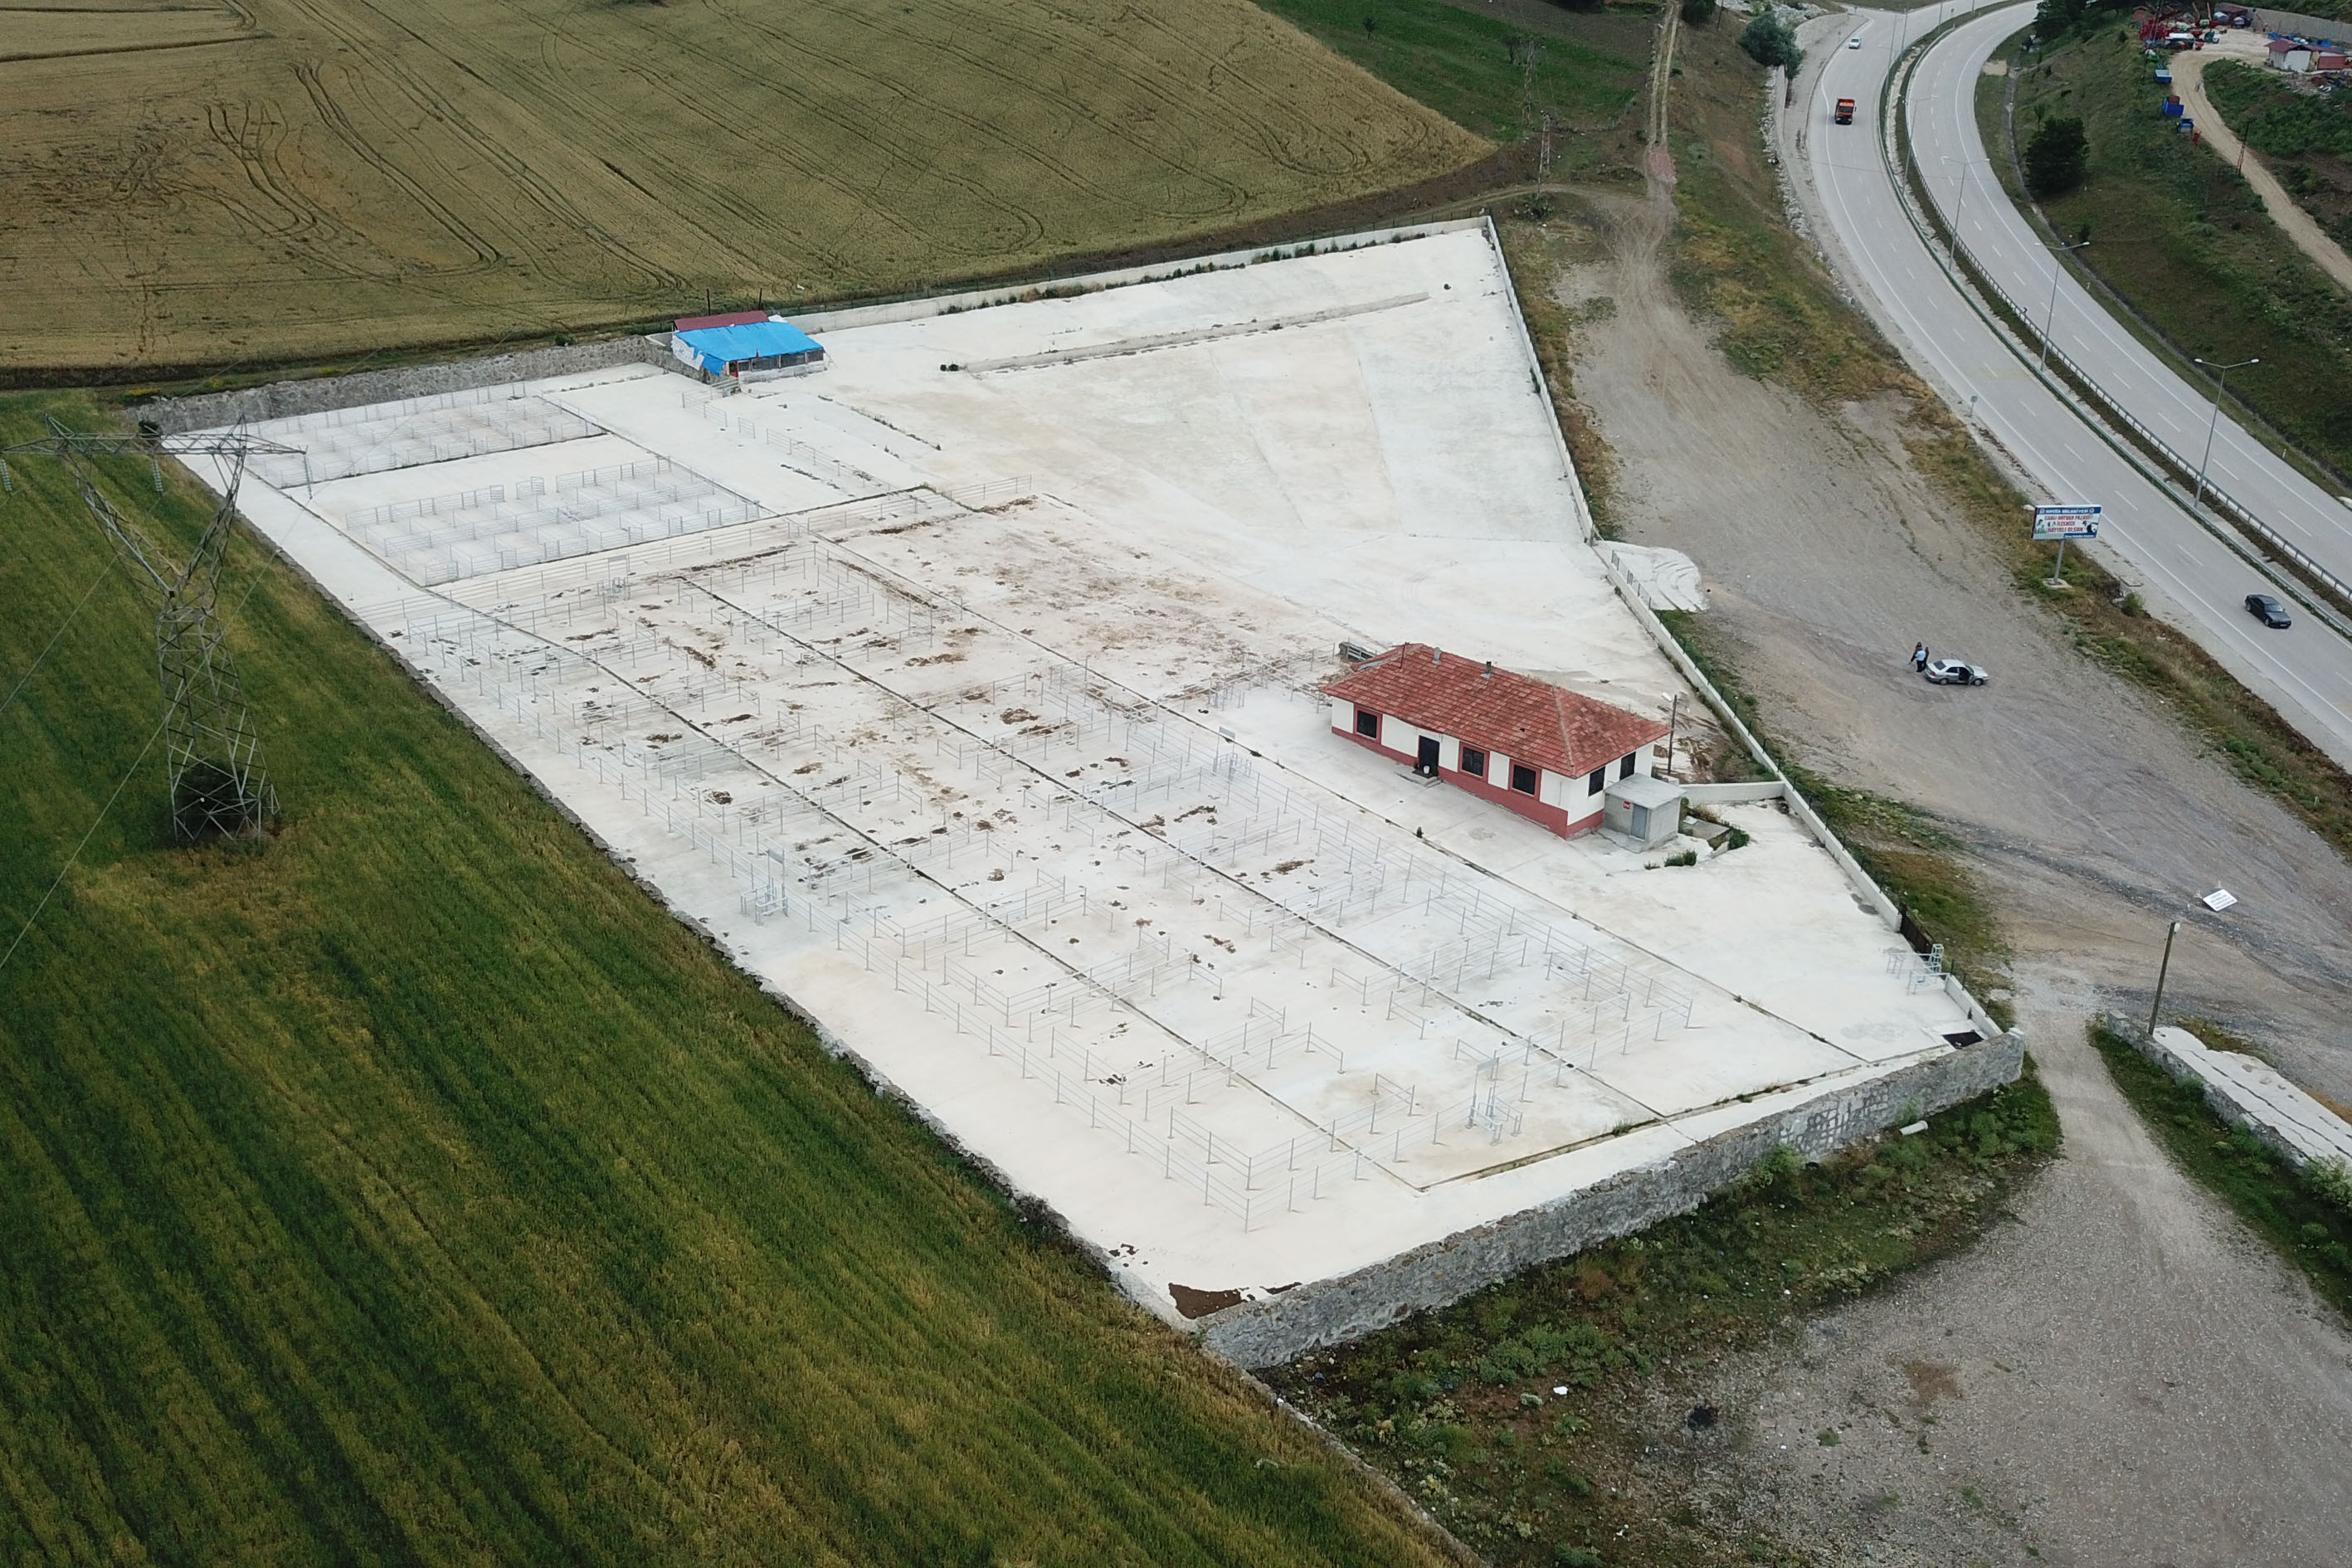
[1523,778]
[1473,761]
[1625,768]
[1368,723]
[1597,780]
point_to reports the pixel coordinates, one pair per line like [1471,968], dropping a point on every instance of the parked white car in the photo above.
[1955,672]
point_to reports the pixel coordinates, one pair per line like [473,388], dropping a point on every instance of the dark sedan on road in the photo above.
[2266,609]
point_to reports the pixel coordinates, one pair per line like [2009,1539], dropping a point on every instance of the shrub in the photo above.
[2332,1180]
[1698,12]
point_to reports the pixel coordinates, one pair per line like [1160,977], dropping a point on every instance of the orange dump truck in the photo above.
[1845,111]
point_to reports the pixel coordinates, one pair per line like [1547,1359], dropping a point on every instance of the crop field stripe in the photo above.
[385,176]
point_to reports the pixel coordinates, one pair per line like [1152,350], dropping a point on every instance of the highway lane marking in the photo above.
[2125,481]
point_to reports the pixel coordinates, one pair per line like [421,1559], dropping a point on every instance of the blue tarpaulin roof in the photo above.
[753,340]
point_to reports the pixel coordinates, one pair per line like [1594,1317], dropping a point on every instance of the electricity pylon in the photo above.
[212,757]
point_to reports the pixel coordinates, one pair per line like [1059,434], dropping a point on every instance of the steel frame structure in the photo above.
[217,783]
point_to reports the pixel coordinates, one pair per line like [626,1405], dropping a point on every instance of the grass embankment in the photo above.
[2310,1229]
[412,1188]
[1459,1405]
[2180,235]
[1459,62]
[322,181]
[2305,137]
[1737,259]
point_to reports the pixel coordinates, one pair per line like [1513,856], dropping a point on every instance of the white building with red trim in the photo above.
[1551,754]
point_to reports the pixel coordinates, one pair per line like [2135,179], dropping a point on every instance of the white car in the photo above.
[1854,42]
[1955,672]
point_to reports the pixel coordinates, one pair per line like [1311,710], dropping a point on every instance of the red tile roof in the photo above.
[1521,718]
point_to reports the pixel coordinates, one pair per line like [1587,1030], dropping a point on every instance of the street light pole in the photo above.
[2049,316]
[2160,971]
[2221,380]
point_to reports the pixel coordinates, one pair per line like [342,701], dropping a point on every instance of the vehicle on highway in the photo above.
[1955,672]
[1854,42]
[1844,112]
[2266,609]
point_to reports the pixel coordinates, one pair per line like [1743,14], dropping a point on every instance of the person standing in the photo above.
[1919,659]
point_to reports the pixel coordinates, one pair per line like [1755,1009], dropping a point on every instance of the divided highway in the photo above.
[2194,579]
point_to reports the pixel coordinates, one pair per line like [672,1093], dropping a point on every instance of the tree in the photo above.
[2056,156]
[2056,18]
[1769,42]
[1698,12]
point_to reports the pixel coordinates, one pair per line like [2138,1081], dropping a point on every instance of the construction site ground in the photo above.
[965,692]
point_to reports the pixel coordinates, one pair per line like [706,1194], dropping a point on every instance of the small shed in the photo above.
[749,345]
[1644,810]
[1524,744]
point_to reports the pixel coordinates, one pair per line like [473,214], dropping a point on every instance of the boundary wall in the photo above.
[1277,1329]
[317,394]
[2247,1092]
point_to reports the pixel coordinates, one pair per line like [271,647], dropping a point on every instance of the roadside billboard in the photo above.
[2065,523]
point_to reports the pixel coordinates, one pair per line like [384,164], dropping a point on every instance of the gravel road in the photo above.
[2122,1375]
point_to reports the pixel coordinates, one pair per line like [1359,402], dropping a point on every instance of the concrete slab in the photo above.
[991,738]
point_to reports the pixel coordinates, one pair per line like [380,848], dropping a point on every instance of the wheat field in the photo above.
[192,186]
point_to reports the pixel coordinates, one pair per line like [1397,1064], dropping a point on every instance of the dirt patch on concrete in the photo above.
[2121,1375]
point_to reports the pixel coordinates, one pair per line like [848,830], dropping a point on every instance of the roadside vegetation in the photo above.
[2183,240]
[2306,137]
[2306,1215]
[1476,67]
[411,1187]
[1521,1416]
[1736,259]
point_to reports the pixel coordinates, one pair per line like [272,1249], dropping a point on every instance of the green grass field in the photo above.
[232,184]
[412,1189]
[2178,232]
[1456,60]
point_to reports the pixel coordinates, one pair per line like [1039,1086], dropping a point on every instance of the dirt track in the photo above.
[2122,1376]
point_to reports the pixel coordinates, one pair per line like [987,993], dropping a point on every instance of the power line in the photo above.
[85,837]
[34,667]
[128,775]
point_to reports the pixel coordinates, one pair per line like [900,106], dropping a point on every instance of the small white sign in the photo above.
[2219,899]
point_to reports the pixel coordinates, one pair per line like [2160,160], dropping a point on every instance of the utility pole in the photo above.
[2162,969]
[2049,316]
[2221,380]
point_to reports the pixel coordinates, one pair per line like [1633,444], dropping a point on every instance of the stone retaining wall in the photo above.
[284,399]
[1332,1312]
[2248,1092]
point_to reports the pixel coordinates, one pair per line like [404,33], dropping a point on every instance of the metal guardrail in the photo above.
[1968,273]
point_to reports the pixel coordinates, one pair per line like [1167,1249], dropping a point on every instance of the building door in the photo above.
[1428,764]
